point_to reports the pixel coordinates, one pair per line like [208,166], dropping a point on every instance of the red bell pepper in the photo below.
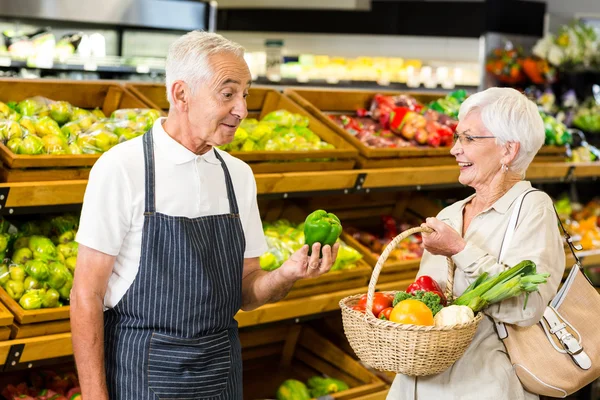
[427,284]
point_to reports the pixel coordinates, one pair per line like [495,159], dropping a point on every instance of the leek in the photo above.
[522,278]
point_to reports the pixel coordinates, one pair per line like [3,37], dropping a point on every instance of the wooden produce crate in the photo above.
[260,102]
[28,353]
[106,95]
[272,355]
[323,102]
[23,316]
[6,319]
[22,331]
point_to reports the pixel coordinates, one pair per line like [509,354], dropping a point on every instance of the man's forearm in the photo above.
[263,287]
[87,328]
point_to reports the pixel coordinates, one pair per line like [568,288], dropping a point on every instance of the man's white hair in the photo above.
[188,58]
[511,117]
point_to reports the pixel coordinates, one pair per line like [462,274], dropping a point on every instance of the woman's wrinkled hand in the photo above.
[443,241]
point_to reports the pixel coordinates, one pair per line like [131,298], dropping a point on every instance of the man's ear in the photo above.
[180,93]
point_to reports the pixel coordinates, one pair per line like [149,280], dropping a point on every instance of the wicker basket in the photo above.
[404,349]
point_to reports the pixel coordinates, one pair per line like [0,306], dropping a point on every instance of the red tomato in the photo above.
[380,301]
[359,307]
[385,313]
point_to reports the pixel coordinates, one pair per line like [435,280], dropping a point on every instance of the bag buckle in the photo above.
[570,344]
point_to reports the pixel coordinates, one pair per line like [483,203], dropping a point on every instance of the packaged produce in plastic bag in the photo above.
[34,106]
[127,129]
[29,145]
[98,139]
[146,116]
[11,130]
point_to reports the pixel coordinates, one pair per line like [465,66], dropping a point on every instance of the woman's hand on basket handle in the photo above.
[443,241]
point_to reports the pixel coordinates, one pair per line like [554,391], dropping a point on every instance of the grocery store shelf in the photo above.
[32,352]
[298,308]
[25,197]
[553,172]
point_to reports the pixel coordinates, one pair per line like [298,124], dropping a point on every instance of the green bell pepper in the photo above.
[59,275]
[32,300]
[17,273]
[51,299]
[14,289]
[321,227]
[4,274]
[37,269]
[65,291]
[32,283]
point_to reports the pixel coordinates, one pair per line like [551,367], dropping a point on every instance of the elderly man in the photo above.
[170,237]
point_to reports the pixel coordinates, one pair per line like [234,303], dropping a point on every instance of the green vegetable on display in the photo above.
[319,386]
[44,126]
[38,273]
[279,130]
[293,389]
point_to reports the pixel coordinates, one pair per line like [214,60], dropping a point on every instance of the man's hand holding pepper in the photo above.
[300,265]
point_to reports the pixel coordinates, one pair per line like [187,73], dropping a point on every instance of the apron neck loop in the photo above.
[150,198]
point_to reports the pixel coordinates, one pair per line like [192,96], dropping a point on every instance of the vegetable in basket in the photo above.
[411,311]
[522,278]
[427,284]
[453,315]
[431,299]
[381,301]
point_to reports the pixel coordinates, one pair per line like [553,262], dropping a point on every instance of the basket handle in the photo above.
[383,258]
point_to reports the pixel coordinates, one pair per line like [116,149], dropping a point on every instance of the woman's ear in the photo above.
[510,152]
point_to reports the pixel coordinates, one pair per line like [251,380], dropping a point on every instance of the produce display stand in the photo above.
[272,355]
[6,319]
[275,337]
[260,102]
[23,316]
[105,95]
[31,352]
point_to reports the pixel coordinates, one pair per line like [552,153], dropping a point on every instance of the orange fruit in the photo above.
[413,312]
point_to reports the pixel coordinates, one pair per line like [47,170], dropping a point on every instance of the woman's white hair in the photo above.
[511,117]
[188,58]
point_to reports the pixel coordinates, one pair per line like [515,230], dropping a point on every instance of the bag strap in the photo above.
[512,224]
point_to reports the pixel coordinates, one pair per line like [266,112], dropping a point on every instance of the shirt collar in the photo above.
[175,151]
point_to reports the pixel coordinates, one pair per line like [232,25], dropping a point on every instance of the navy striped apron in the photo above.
[173,335]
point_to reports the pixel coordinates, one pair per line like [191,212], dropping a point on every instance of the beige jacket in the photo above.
[485,371]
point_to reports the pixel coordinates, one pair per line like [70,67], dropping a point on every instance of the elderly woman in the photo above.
[499,133]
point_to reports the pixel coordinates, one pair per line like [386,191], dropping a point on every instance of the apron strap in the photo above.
[233,205]
[150,205]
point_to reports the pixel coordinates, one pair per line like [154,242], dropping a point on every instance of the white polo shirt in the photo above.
[187,185]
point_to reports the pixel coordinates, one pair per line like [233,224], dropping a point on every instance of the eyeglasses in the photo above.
[467,139]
